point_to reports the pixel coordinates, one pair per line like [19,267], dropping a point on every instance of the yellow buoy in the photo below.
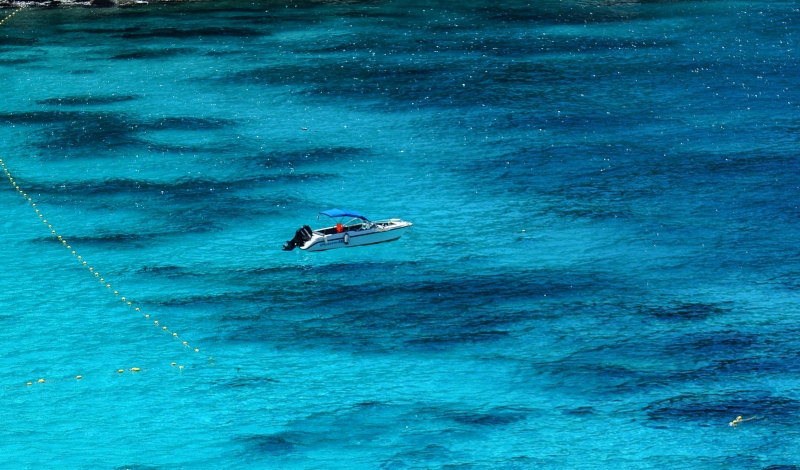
[196,350]
[164,328]
[29,383]
[156,322]
[121,371]
[79,377]
[186,343]
[174,334]
[180,367]
[136,369]
[116,293]
[41,381]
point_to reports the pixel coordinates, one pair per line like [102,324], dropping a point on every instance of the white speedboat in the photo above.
[357,231]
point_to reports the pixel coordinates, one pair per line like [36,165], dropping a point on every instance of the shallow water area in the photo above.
[601,271]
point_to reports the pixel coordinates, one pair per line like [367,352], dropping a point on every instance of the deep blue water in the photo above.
[602,272]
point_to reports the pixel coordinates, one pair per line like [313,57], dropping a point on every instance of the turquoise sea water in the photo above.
[602,271]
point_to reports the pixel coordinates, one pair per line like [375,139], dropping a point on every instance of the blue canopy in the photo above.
[341,213]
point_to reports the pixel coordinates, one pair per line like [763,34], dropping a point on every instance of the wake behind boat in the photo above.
[357,231]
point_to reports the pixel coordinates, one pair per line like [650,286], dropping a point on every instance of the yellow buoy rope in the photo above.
[85,264]
[77,378]
[102,280]
[739,420]
[9,16]
[126,301]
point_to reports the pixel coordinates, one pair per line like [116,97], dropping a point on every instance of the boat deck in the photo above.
[332,230]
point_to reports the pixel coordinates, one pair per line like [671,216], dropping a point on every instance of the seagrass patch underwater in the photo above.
[602,271]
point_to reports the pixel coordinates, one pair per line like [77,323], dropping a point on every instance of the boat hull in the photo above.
[371,236]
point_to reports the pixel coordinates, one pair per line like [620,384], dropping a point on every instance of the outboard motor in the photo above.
[301,236]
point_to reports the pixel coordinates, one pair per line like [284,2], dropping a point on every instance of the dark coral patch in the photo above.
[274,444]
[194,33]
[687,312]
[152,53]
[719,407]
[88,100]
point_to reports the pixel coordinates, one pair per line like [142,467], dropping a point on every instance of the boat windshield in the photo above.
[351,225]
